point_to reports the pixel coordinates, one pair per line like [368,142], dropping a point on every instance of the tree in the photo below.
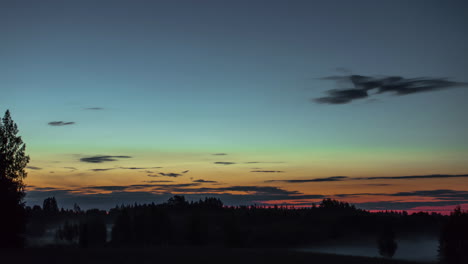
[13,161]
[50,206]
[453,241]
[386,242]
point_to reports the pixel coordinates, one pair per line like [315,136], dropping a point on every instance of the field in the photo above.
[179,255]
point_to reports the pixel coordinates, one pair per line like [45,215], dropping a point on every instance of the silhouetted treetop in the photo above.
[13,161]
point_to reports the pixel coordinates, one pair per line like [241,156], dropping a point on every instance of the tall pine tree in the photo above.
[13,161]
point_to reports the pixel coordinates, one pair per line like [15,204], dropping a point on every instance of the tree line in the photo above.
[207,222]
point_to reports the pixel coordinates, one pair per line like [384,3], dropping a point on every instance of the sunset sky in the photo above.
[265,102]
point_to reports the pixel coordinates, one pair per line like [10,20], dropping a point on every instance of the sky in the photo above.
[255,102]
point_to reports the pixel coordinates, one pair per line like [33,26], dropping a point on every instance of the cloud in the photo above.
[224,162]
[108,188]
[441,194]
[70,168]
[170,174]
[107,169]
[395,85]
[342,96]
[254,162]
[101,159]
[94,108]
[267,171]
[132,168]
[204,181]
[33,168]
[432,176]
[185,171]
[60,123]
[395,205]
[157,181]
[346,178]
[328,179]
[219,154]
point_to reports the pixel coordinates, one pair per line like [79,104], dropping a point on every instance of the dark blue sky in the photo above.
[170,81]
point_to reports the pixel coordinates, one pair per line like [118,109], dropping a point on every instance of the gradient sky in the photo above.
[165,85]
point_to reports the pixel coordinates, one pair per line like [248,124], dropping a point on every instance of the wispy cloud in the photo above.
[224,162]
[412,177]
[328,179]
[254,162]
[204,181]
[170,174]
[267,171]
[60,123]
[33,168]
[94,108]
[396,85]
[346,178]
[219,154]
[101,159]
[106,169]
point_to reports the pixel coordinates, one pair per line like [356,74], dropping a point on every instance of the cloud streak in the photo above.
[328,179]
[60,123]
[224,163]
[395,85]
[101,159]
[94,108]
[346,178]
[268,171]
[33,168]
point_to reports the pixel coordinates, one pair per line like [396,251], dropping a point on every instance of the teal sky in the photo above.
[180,80]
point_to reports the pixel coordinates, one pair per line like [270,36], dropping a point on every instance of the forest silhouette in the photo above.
[179,223]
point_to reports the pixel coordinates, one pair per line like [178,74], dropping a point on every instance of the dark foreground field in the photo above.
[179,255]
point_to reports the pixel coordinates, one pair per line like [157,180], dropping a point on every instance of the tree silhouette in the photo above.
[453,242]
[386,242]
[13,161]
[50,206]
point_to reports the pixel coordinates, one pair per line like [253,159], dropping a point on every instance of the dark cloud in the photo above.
[94,108]
[170,174]
[254,162]
[432,176]
[185,171]
[132,168]
[328,179]
[376,184]
[101,159]
[219,154]
[224,162]
[441,194]
[60,123]
[342,96]
[157,181]
[393,205]
[108,188]
[204,181]
[33,168]
[107,169]
[345,178]
[267,171]
[395,85]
